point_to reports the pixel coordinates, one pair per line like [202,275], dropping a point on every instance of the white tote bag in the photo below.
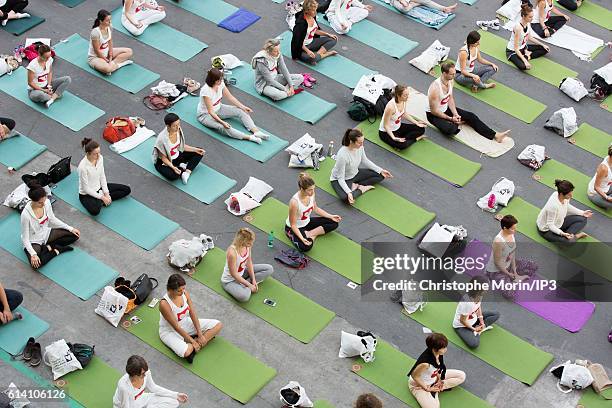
[352,345]
[435,239]
[112,305]
[369,88]
[61,360]
[503,190]
[294,395]
[303,147]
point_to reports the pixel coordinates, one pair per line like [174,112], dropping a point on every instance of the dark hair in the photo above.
[36,192]
[175,281]
[213,75]
[446,67]
[477,292]
[305,181]
[398,90]
[89,145]
[170,118]
[368,401]
[350,136]
[102,14]
[508,221]
[43,49]
[135,365]
[525,9]
[436,341]
[472,38]
[610,150]
[564,187]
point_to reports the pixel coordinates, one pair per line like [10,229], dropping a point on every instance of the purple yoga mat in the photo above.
[571,316]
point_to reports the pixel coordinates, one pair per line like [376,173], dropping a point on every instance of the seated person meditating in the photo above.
[137,15]
[599,189]
[272,78]
[12,10]
[543,23]
[519,51]
[42,86]
[309,43]
[102,56]
[469,74]
[392,130]
[342,14]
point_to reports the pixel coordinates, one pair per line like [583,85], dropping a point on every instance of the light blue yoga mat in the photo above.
[437,27]
[304,106]
[71,3]
[15,335]
[186,109]
[127,217]
[132,78]
[76,271]
[376,36]
[211,10]
[337,67]
[18,150]
[205,184]
[164,38]
[71,111]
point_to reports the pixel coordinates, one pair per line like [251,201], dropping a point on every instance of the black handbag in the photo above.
[40,179]
[59,170]
[143,288]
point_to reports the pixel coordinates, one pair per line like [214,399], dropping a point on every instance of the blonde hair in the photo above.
[244,237]
[310,4]
[270,44]
[305,181]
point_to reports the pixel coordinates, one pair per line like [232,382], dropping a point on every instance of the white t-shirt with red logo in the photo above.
[242,258]
[310,33]
[215,98]
[128,396]
[41,73]
[104,41]
[466,307]
[304,212]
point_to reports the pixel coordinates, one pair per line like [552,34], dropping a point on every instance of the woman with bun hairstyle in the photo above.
[518,49]
[300,227]
[392,130]
[102,56]
[94,191]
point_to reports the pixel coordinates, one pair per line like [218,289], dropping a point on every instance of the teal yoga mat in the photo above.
[305,106]
[76,271]
[186,109]
[71,111]
[18,150]
[205,183]
[164,38]
[20,26]
[211,10]
[127,217]
[337,67]
[437,27]
[132,78]
[378,37]
[15,335]
[70,3]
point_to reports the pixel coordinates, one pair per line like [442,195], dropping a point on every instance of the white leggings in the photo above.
[146,17]
[155,401]
[353,15]
[176,342]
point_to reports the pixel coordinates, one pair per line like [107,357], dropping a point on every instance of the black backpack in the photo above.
[600,87]
[382,101]
[83,352]
[59,170]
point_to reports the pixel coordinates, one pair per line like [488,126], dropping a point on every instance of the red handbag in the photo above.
[118,128]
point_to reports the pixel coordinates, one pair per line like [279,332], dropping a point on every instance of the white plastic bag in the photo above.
[294,395]
[564,122]
[573,88]
[186,253]
[574,377]
[503,190]
[112,305]
[230,61]
[295,162]
[61,360]
[368,88]
[533,156]
[352,345]
[249,197]
[303,147]
[434,240]
[432,56]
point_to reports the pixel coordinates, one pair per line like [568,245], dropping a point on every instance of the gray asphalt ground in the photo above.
[315,365]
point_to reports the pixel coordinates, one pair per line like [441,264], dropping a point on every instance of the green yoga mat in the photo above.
[594,13]
[71,111]
[18,150]
[15,335]
[430,156]
[211,10]
[553,169]
[595,257]
[505,99]
[219,363]
[164,38]
[294,314]
[389,372]
[590,399]
[127,217]
[333,250]
[94,386]
[607,103]
[20,26]
[71,3]
[378,37]
[205,184]
[322,404]
[519,360]
[132,78]
[541,68]
[304,106]
[593,140]
[76,271]
[186,108]
[376,204]
[337,67]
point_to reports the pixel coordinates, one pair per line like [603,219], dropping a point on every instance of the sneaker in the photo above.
[485,24]
[185,176]
[307,83]
[49,103]
[27,351]
[36,355]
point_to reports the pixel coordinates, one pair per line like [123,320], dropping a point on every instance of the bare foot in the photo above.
[491,85]
[365,189]
[581,235]
[421,137]
[329,54]
[450,9]
[354,186]
[500,136]
[474,88]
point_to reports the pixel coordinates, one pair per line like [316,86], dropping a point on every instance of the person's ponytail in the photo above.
[102,14]
[351,136]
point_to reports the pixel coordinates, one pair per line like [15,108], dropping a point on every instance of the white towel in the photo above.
[141,134]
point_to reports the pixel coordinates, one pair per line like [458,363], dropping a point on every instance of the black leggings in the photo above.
[93,205]
[449,128]
[537,51]
[572,224]
[315,222]
[408,131]
[13,5]
[58,237]
[191,158]
[364,177]
[569,4]
[554,23]
[9,123]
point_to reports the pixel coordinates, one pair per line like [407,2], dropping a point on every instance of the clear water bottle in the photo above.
[271,239]
[330,149]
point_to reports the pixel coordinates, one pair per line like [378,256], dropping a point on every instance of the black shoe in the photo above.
[27,351]
[190,357]
[36,355]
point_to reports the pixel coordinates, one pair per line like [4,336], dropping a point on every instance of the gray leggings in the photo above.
[467,335]
[485,72]
[240,292]
[276,94]
[226,112]
[599,201]
[59,85]
[572,224]
[315,46]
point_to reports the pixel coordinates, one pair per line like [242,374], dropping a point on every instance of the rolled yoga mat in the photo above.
[430,156]
[217,363]
[436,27]
[594,13]
[18,150]
[132,78]
[21,25]
[70,110]
[164,38]
[95,385]
[76,271]
[127,217]
[595,257]
[304,106]
[376,204]
[14,335]
[294,314]
[212,10]
[592,140]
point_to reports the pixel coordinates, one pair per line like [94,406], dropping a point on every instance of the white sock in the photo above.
[49,102]
[4,22]
[261,135]
[124,63]
[255,139]
[183,166]
[185,176]
[23,15]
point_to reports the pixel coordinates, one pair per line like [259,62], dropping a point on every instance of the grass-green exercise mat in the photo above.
[294,314]
[597,14]
[376,204]
[592,140]
[95,385]
[590,399]
[220,363]
[18,150]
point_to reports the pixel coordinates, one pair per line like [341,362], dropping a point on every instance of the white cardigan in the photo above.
[553,214]
[92,178]
[126,396]
[35,230]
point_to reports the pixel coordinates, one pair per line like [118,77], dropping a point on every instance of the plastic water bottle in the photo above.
[330,149]
[271,239]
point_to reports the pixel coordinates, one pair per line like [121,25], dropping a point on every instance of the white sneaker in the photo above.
[4,22]
[255,139]
[261,135]
[185,176]
[49,103]
[124,63]
[183,166]
[23,15]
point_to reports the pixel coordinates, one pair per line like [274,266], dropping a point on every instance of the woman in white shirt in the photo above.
[309,43]
[212,113]
[137,15]
[502,262]
[354,174]
[404,6]
[518,49]
[43,235]
[102,56]
[342,14]
[467,73]
[42,87]
[543,23]
[392,129]
[559,221]
[179,326]
[94,191]
[12,10]
[469,319]
[599,189]
[136,389]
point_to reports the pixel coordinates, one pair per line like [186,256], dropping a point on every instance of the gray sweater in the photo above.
[348,163]
[264,74]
